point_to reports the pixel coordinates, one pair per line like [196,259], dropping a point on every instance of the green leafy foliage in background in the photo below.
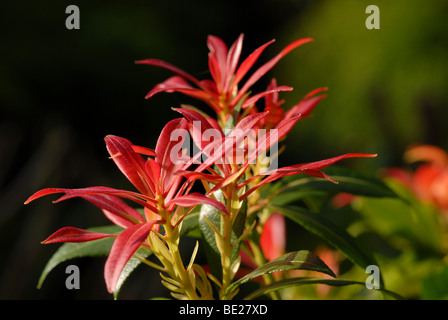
[392,80]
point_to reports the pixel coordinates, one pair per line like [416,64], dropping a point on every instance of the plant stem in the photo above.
[227,247]
[176,271]
[172,239]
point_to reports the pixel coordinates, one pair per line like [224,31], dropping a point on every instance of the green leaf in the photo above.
[303,260]
[70,251]
[329,232]
[190,225]
[434,286]
[233,117]
[130,266]
[307,281]
[211,215]
[404,218]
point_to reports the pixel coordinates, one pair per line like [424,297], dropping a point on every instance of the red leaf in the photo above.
[232,61]
[268,66]
[273,236]
[164,152]
[172,68]
[307,105]
[247,64]
[311,169]
[72,193]
[71,234]
[130,163]
[252,100]
[178,84]
[143,150]
[122,250]
[115,209]
[217,60]
[198,126]
[196,198]
[325,163]
[44,192]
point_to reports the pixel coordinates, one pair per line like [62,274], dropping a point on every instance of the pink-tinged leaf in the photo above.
[218,150]
[44,192]
[229,179]
[172,68]
[232,60]
[178,84]
[217,60]
[143,200]
[144,151]
[199,125]
[152,216]
[247,64]
[71,234]
[315,92]
[273,236]
[268,66]
[272,100]
[325,163]
[281,174]
[153,170]
[122,250]
[168,149]
[247,123]
[305,106]
[195,198]
[130,163]
[193,175]
[252,100]
[266,140]
[115,209]
[311,169]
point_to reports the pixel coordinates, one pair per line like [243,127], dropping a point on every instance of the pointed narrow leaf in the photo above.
[115,209]
[248,63]
[130,163]
[210,214]
[349,182]
[252,100]
[298,260]
[329,232]
[178,84]
[282,284]
[169,66]
[69,251]
[164,150]
[132,264]
[123,248]
[72,234]
[86,193]
[193,199]
[269,65]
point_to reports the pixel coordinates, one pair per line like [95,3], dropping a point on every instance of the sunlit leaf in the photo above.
[211,215]
[299,260]
[308,281]
[349,181]
[329,232]
[130,266]
[68,251]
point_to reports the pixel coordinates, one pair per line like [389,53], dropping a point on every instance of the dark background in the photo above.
[62,91]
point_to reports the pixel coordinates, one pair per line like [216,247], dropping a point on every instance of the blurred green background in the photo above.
[62,91]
